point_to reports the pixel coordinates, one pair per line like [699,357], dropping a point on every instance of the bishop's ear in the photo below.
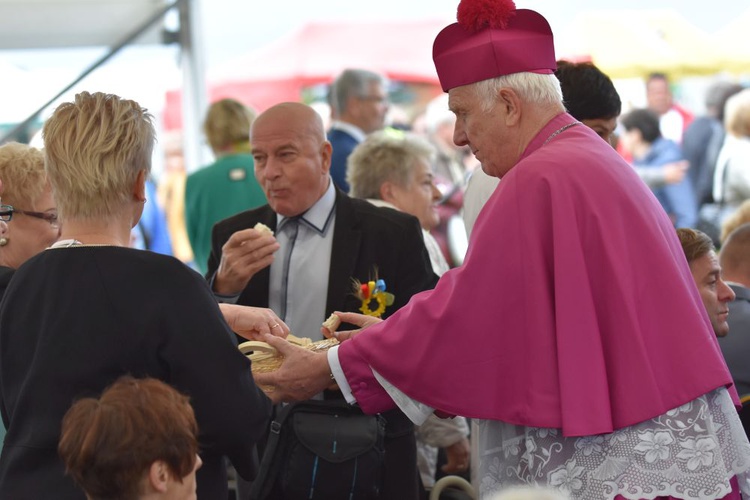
[511,104]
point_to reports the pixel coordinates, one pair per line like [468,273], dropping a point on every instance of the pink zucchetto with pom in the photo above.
[492,38]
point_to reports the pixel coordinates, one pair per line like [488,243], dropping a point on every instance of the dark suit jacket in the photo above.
[343,145]
[365,238]
[736,345]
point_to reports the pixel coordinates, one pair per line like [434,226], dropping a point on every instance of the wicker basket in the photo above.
[267,359]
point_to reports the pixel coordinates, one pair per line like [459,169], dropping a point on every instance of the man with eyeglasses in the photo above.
[359,103]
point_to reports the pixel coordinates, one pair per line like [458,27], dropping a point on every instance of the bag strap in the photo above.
[266,476]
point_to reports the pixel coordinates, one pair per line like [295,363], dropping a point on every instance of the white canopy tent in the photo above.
[35,24]
[28,24]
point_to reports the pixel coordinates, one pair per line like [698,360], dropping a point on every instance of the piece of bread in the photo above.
[267,359]
[263,229]
[332,323]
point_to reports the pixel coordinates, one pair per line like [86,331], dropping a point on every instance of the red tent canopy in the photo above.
[317,53]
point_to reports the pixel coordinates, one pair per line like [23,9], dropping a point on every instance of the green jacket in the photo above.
[216,192]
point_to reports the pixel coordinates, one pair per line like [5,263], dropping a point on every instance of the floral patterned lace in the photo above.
[690,452]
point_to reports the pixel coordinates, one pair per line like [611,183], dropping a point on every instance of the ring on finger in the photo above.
[274,326]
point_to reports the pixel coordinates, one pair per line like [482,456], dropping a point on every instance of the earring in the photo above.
[4,241]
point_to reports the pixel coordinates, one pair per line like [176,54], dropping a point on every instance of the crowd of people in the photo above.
[584,338]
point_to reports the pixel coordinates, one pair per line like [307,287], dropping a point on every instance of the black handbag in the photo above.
[322,450]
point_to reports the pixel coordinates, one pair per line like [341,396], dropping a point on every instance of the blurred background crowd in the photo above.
[178,58]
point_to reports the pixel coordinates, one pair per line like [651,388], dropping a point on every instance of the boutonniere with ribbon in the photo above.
[373,296]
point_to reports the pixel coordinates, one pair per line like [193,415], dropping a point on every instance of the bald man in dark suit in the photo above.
[323,240]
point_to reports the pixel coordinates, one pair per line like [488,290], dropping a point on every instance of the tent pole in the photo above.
[194,100]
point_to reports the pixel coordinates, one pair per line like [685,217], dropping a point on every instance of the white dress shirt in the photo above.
[309,268]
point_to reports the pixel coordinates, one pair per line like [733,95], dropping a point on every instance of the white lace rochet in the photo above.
[690,452]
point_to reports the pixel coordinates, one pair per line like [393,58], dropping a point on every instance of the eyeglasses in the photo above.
[6,213]
[374,98]
[50,217]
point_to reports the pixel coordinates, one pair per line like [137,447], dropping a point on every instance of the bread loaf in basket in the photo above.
[267,359]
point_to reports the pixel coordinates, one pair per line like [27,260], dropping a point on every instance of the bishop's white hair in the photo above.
[531,87]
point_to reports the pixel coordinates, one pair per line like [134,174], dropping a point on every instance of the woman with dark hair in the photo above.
[138,440]
[590,96]
[643,140]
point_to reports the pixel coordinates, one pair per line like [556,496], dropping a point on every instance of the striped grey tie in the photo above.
[291,226]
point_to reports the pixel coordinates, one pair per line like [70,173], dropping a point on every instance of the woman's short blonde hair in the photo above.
[227,122]
[94,148]
[22,173]
[737,114]
[385,156]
